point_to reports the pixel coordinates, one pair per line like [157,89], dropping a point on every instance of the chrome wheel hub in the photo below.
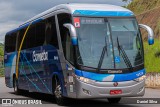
[58,92]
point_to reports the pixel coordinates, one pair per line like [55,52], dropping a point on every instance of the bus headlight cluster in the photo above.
[86,80]
[140,78]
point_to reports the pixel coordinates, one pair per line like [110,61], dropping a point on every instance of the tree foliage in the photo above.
[1,49]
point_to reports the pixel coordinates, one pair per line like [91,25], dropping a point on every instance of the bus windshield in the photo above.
[96,33]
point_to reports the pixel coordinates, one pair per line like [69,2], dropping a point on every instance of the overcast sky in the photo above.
[15,12]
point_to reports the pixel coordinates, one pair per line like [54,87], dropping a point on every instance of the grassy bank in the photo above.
[1,72]
[152,56]
[140,6]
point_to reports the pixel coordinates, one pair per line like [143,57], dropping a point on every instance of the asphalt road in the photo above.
[6,92]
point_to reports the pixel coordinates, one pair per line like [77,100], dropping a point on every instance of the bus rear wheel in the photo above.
[58,93]
[15,86]
[114,100]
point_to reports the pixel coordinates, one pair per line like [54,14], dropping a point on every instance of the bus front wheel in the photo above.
[58,93]
[114,100]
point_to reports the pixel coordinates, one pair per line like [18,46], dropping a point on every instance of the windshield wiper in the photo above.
[126,28]
[102,56]
[124,55]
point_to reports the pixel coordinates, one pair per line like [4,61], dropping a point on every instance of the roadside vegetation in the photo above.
[1,58]
[141,6]
[152,56]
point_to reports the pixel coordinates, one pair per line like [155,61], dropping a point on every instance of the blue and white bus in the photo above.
[78,51]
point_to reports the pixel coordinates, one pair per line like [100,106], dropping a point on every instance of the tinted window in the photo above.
[20,36]
[10,42]
[35,36]
[40,33]
[30,37]
[50,32]
[65,36]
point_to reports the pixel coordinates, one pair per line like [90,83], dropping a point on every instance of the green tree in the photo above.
[1,50]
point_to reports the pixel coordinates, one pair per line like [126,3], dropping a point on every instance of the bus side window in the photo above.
[50,32]
[7,45]
[29,40]
[40,33]
[65,36]
[10,42]
[30,37]
[20,36]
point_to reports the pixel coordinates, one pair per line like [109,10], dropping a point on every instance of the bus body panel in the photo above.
[128,88]
[10,67]
[36,68]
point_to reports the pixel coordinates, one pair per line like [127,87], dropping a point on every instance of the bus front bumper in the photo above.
[102,89]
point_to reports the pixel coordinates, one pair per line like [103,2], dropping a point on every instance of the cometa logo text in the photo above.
[43,56]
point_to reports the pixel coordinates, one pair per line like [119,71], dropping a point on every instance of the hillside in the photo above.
[148,12]
[140,6]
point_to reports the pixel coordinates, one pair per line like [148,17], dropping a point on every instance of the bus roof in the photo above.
[85,9]
[82,10]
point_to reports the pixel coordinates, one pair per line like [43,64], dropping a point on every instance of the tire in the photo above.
[15,86]
[60,100]
[114,100]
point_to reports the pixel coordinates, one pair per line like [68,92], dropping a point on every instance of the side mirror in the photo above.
[72,31]
[150,33]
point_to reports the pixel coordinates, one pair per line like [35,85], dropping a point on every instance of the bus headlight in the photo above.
[86,80]
[140,78]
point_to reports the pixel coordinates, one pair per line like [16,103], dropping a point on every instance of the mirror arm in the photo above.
[72,31]
[150,33]
[74,40]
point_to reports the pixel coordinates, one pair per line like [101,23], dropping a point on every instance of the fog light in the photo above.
[141,89]
[86,91]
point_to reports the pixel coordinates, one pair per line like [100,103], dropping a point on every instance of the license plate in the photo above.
[114,92]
